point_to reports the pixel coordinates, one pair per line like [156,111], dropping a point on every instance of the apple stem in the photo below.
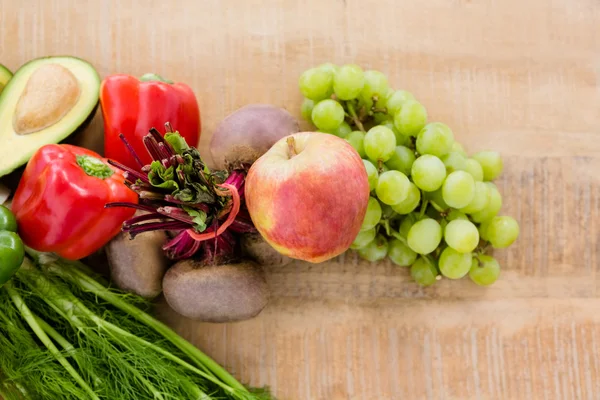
[291,147]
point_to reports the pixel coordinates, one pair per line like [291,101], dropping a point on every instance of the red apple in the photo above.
[307,195]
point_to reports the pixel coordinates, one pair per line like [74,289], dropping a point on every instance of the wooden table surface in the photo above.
[521,77]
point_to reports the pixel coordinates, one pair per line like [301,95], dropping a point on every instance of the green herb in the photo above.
[65,335]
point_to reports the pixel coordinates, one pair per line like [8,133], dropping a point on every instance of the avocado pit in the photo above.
[50,93]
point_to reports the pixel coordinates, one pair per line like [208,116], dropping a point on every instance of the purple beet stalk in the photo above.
[171,201]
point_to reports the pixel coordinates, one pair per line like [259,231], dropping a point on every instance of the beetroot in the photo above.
[216,293]
[245,135]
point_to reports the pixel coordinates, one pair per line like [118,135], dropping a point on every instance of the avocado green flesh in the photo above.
[15,149]
[5,76]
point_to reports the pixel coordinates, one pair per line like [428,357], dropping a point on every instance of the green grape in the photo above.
[437,200]
[458,148]
[372,174]
[392,187]
[484,271]
[383,168]
[413,197]
[454,265]
[491,162]
[493,206]
[423,272]
[401,140]
[458,189]
[455,214]
[372,216]
[396,99]
[502,231]
[316,83]
[425,236]
[356,140]
[474,168]
[327,115]
[376,84]
[454,161]
[435,139]
[364,102]
[462,235]
[348,82]
[402,160]
[329,67]
[407,223]
[428,173]
[306,109]
[400,254]
[380,143]
[482,228]
[342,131]
[411,118]
[381,104]
[383,119]
[363,238]
[376,250]
[480,199]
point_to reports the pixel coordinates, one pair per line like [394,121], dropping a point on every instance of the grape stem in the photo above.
[423,208]
[386,225]
[438,208]
[482,248]
[398,236]
[354,117]
[429,260]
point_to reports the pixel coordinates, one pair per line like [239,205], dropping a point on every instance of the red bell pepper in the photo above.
[133,106]
[59,203]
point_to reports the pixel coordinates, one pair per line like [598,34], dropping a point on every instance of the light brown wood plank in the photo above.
[522,77]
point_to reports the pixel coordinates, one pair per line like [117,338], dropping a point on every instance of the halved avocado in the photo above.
[46,100]
[5,76]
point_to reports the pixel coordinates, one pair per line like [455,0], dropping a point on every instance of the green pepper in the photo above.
[12,250]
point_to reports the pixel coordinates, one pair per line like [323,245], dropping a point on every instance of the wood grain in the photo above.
[522,77]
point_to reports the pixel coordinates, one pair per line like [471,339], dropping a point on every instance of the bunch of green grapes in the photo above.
[433,207]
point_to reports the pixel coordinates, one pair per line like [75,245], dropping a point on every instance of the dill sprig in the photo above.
[65,335]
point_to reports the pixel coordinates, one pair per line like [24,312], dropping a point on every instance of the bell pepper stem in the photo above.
[94,167]
[151,77]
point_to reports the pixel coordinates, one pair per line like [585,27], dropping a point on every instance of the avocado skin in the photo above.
[73,134]
[5,76]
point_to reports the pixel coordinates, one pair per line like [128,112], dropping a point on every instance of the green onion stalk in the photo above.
[65,334]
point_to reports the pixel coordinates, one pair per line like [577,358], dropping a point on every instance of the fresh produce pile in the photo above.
[433,207]
[377,178]
[65,335]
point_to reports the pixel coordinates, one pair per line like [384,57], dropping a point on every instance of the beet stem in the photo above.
[176,213]
[130,205]
[129,171]
[152,148]
[141,218]
[131,150]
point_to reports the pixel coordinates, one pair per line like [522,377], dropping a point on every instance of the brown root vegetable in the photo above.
[138,265]
[256,248]
[216,293]
[248,133]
